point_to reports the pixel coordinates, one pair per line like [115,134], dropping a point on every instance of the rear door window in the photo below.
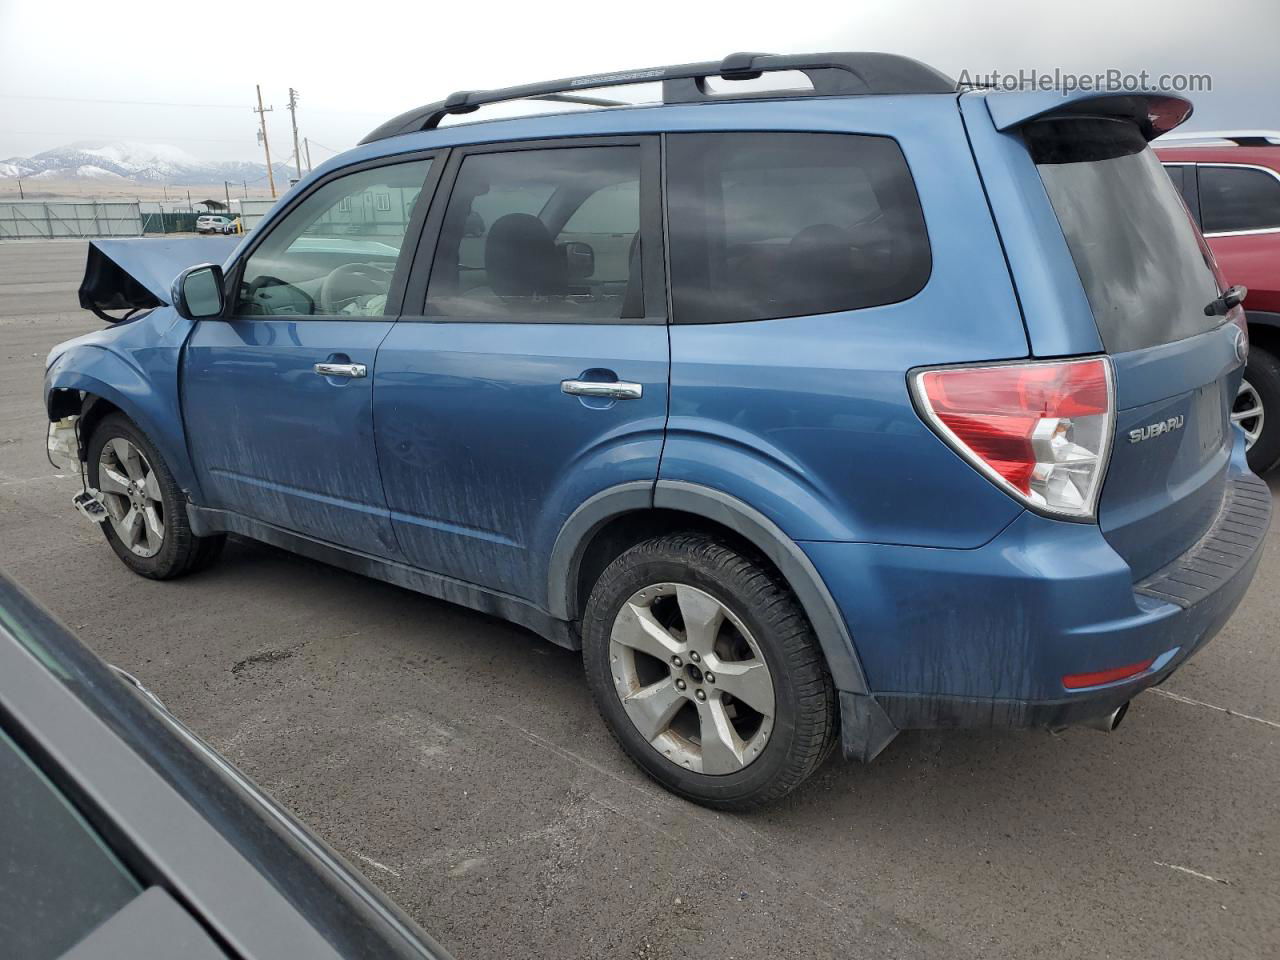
[1144,266]
[766,225]
[535,235]
[1237,198]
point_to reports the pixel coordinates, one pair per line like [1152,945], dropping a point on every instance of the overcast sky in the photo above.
[64,65]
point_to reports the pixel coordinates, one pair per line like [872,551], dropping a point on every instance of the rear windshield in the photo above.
[1142,261]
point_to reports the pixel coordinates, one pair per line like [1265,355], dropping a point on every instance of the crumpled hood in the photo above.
[138,272]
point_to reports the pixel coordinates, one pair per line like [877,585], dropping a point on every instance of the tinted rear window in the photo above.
[766,225]
[1144,266]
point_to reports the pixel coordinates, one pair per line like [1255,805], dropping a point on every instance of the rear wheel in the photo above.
[146,521]
[1257,409]
[707,672]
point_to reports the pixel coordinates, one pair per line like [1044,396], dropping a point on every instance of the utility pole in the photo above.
[307,146]
[245,184]
[23,196]
[293,115]
[226,188]
[262,136]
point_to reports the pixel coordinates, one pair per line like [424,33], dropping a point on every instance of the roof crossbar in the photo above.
[831,74]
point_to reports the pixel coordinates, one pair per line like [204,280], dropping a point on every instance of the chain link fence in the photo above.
[47,221]
[31,220]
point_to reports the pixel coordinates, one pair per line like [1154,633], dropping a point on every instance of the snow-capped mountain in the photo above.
[125,160]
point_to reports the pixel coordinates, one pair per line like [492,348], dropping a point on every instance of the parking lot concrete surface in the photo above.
[459,762]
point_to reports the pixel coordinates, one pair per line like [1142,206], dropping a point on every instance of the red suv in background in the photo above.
[1231,182]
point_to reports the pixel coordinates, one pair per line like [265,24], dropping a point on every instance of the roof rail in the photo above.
[832,75]
[1241,138]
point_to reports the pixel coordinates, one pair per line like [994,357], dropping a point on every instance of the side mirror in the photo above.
[579,259]
[197,293]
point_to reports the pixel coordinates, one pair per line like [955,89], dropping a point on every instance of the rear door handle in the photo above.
[353,370]
[615,390]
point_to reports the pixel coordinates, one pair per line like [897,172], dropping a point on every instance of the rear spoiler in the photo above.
[1154,113]
[136,274]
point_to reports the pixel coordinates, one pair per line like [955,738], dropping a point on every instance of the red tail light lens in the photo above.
[1040,430]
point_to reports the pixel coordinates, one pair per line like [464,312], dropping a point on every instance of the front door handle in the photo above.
[614,390]
[352,370]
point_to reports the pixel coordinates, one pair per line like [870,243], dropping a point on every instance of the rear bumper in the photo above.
[965,638]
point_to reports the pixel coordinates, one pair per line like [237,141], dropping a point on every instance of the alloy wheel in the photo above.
[1248,412]
[131,493]
[691,678]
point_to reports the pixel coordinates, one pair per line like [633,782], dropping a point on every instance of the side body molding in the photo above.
[799,571]
[590,516]
[768,538]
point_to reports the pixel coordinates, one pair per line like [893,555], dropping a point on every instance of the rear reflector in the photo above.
[1075,681]
[1041,430]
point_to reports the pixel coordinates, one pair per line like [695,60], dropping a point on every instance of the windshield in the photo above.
[1145,269]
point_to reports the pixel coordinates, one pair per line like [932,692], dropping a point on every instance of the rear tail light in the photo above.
[1041,430]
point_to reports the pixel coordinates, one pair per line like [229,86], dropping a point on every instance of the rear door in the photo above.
[533,373]
[1149,278]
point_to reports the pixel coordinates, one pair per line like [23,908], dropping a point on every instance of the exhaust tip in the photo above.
[1108,721]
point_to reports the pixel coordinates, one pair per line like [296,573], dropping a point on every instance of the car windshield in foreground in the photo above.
[71,881]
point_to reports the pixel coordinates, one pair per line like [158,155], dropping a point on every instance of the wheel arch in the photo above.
[100,383]
[610,522]
[1264,329]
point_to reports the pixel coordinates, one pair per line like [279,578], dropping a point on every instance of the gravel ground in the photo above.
[459,761]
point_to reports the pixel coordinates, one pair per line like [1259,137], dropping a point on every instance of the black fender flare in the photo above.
[820,607]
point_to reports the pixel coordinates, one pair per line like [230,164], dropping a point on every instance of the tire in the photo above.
[1263,375]
[175,551]
[760,622]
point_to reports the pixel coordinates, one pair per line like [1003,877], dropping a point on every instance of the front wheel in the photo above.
[1257,409]
[146,521]
[707,672]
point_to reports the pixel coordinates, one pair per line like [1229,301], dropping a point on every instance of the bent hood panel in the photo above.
[138,272]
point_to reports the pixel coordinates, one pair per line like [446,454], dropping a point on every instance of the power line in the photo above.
[133,103]
[80,134]
[319,144]
[171,103]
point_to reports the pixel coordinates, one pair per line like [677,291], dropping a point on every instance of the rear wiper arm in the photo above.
[1231,297]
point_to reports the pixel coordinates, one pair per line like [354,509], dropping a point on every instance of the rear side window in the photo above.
[1143,264]
[1239,198]
[767,225]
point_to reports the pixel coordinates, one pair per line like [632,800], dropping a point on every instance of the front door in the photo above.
[536,376]
[278,395]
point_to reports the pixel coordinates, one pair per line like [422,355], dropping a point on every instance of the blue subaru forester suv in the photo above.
[807,415]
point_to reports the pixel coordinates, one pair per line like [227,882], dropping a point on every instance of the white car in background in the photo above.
[212,223]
